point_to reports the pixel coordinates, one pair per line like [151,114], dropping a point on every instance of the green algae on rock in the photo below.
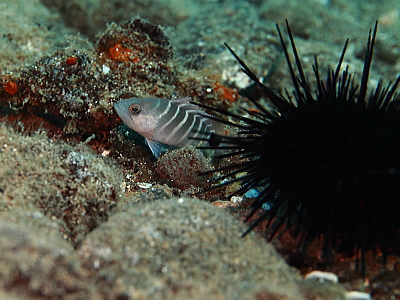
[89,17]
[184,248]
[36,262]
[64,182]
[28,30]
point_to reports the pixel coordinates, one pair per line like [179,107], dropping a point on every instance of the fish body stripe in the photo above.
[186,127]
[203,128]
[170,120]
[180,122]
[166,109]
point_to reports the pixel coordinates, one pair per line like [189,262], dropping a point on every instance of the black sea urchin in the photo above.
[328,160]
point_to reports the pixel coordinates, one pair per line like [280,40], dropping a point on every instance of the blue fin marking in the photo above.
[157,148]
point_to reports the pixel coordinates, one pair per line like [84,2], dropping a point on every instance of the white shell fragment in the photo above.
[355,295]
[322,276]
[105,69]
[236,199]
[144,185]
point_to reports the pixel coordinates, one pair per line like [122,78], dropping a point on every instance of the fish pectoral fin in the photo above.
[158,148]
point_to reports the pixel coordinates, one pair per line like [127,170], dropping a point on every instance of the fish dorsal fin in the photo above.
[157,148]
[185,104]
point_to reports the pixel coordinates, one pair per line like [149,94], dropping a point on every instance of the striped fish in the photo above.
[165,122]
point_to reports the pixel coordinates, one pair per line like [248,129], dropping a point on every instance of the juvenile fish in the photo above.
[165,122]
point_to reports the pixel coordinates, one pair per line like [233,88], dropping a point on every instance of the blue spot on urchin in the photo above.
[252,193]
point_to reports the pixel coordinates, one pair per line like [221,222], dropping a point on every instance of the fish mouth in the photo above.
[121,113]
[116,107]
[124,115]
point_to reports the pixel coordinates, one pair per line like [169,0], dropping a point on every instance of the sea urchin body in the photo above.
[327,157]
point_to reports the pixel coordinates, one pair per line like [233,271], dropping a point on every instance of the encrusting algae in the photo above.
[71,93]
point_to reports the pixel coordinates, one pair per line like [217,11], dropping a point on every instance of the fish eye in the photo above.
[135,109]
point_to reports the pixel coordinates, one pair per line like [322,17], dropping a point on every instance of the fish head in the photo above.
[138,114]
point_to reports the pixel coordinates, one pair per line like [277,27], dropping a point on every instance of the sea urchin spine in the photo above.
[327,161]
